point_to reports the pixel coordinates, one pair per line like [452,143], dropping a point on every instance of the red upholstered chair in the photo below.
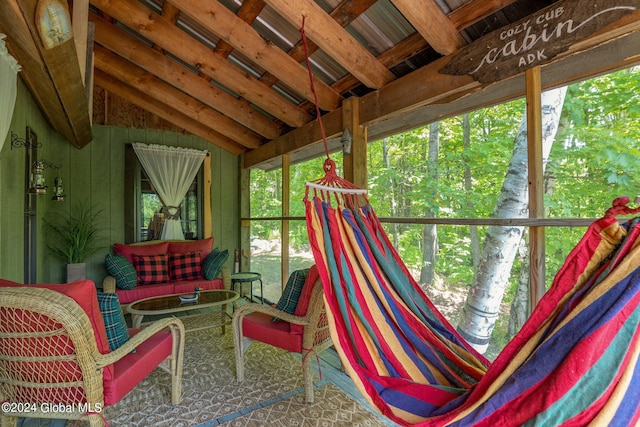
[54,350]
[306,331]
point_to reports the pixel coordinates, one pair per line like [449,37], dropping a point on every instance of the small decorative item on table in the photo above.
[190,297]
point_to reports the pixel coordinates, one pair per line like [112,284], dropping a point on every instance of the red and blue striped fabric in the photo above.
[574,363]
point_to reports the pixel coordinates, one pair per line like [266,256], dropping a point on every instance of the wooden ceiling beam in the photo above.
[158,30]
[81,33]
[427,86]
[34,73]
[248,12]
[215,17]
[137,52]
[431,22]
[53,76]
[415,43]
[166,94]
[169,114]
[334,40]
[345,13]
[475,11]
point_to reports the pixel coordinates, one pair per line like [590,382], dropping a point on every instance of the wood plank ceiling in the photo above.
[234,72]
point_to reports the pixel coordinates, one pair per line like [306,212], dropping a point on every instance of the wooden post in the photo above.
[206,192]
[286,211]
[355,164]
[245,212]
[536,189]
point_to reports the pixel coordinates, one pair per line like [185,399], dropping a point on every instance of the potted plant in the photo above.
[74,236]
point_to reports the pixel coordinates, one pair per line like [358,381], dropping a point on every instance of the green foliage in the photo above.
[594,159]
[75,235]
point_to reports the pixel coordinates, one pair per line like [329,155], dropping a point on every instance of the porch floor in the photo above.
[272,393]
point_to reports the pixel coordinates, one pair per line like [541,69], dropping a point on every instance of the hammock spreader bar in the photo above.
[574,362]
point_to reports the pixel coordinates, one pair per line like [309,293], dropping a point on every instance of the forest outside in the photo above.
[457,169]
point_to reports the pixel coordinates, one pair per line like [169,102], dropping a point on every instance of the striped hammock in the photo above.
[574,363]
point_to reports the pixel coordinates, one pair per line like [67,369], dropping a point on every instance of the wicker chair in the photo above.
[255,322]
[49,355]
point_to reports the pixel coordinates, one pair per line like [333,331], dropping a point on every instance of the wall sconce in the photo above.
[37,180]
[30,142]
[346,141]
[37,183]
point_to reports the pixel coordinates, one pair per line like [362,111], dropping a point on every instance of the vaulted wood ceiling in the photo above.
[234,72]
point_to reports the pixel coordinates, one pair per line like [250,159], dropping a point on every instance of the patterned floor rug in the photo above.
[272,393]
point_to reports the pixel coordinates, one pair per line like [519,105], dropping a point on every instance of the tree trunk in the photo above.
[500,246]
[473,230]
[519,312]
[520,307]
[430,231]
[394,208]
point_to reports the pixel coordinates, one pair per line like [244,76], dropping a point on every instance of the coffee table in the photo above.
[170,304]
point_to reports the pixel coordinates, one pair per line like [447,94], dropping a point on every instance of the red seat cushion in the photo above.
[134,367]
[183,287]
[261,327]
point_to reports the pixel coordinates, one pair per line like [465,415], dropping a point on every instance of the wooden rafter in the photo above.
[126,72]
[156,29]
[333,39]
[172,115]
[427,86]
[53,76]
[215,17]
[256,103]
[476,11]
[164,68]
[432,23]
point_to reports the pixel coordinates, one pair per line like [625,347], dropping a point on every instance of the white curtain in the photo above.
[171,170]
[9,69]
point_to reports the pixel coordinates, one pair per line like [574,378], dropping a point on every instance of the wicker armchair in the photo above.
[49,355]
[255,322]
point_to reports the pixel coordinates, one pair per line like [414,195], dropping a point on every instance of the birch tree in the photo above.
[500,245]
[429,231]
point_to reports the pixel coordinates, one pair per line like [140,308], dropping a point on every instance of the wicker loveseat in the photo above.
[55,355]
[187,264]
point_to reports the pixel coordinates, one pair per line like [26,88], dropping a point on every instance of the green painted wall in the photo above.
[93,175]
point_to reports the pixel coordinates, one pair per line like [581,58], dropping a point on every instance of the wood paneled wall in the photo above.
[94,175]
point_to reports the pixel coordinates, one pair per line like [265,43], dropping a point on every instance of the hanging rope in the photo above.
[313,88]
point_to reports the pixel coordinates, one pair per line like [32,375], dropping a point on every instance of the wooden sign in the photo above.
[536,39]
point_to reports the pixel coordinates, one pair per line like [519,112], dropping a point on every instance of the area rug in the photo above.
[272,393]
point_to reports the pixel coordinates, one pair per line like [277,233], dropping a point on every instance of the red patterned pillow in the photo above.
[151,268]
[185,266]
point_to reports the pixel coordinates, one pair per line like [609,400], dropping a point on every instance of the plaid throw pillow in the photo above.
[291,293]
[152,268]
[185,266]
[114,323]
[213,263]
[122,270]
